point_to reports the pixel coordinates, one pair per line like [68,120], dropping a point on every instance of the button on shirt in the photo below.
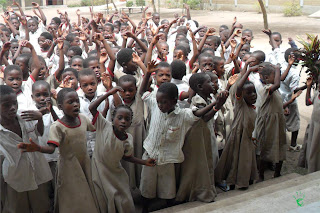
[166,132]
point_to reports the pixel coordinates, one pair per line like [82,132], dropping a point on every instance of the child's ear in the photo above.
[60,106]
[199,86]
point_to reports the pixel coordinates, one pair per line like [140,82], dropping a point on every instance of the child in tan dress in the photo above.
[270,123]
[110,180]
[74,188]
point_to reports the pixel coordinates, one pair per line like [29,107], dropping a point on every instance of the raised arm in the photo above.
[42,16]
[272,41]
[152,67]
[209,32]
[150,49]
[291,60]
[276,83]
[308,93]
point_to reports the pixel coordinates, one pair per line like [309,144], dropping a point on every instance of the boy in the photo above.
[26,174]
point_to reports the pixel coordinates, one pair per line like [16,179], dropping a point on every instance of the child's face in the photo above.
[206,64]
[215,82]
[210,44]
[8,106]
[63,19]
[219,68]
[202,32]
[14,80]
[138,49]
[22,63]
[40,95]
[42,44]
[75,42]
[245,57]
[116,28]
[122,119]
[15,23]
[70,54]
[165,104]
[249,94]
[248,36]
[164,49]
[14,47]
[156,19]
[88,84]
[5,35]
[70,105]
[108,29]
[129,91]
[182,21]
[77,64]
[149,35]
[163,75]
[277,39]
[32,25]
[123,28]
[207,86]
[94,65]
[245,49]
[254,62]
[73,79]
[131,66]
[162,37]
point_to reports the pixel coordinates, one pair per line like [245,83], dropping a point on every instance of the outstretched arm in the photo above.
[33,147]
[152,67]
[308,93]
[276,83]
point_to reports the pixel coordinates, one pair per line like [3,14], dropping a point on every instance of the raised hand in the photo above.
[29,147]
[233,43]
[210,32]
[296,95]
[106,80]
[66,83]
[31,115]
[6,46]
[103,57]
[116,89]
[148,15]
[25,43]
[238,32]
[98,36]
[35,5]
[267,32]
[9,9]
[233,79]
[243,40]
[152,66]
[135,58]
[155,39]
[291,59]
[78,12]
[309,82]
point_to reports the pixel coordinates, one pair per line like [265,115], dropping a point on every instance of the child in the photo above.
[237,164]
[132,98]
[45,41]
[26,174]
[74,170]
[270,124]
[168,127]
[197,180]
[76,63]
[312,143]
[110,179]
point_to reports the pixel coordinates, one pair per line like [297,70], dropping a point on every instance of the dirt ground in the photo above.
[288,26]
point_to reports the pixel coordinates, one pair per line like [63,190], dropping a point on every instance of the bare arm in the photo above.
[276,83]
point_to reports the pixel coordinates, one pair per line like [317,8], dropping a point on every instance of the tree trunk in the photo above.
[153,6]
[264,12]
[115,7]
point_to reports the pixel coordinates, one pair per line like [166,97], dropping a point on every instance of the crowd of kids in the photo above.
[95,111]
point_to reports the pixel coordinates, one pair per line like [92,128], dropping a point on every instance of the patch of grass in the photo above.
[292,8]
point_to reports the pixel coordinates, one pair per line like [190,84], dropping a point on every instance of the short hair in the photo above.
[183,29]
[47,35]
[124,24]
[183,49]
[76,57]
[24,56]
[14,40]
[66,44]
[266,68]
[212,75]
[57,20]
[109,25]
[216,60]
[260,55]
[178,69]
[40,83]
[247,31]
[88,60]
[6,30]
[62,94]
[196,23]
[215,39]
[277,33]
[127,78]
[76,49]
[170,89]
[5,90]
[124,56]
[9,68]
[288,52]
[86,72]
[196,79]
[74,71]
[204,50]
[70,37]
[164,20]
[117,22]
[163,64]
[31,60]
[224,27]
[164,43]
[181,34]
[204,55]
[121,106]
[92,52]
[34,19]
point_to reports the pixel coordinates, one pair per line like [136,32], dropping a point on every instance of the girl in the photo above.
[237,164]
[74,184]
[197,180]
[312,142]
[270,129]
[110,179]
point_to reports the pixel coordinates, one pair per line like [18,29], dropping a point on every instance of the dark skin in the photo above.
[129,91]
[14,80]
[248,93]
[165,103]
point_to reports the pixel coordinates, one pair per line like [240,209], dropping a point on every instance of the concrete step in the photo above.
[254,191]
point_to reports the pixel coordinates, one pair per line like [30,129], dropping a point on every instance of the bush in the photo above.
[4,4]
[292,8]
[129,3]
[95,3]
[74,5]
[194,4]
[140,2]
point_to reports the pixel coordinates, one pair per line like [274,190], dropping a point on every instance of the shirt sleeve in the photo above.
[90,126]
[100,122]
[148,99]
[128,147]
[55,134]
[189,117]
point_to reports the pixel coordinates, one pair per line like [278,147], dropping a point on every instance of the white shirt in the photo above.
[166,132]
[23,171]
[290,83]
[24,98]
[182,87]
[33,37]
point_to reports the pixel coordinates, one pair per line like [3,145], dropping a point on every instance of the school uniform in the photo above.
[24,98]
[33,37]
[164,144]
[26,174]
[182,87]
[138,75]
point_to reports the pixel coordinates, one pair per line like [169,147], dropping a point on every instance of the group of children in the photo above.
[96,111]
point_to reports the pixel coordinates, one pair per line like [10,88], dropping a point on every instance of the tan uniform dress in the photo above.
[74,188]
[271,126]
[196,181]
[111,182]
[237,164]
